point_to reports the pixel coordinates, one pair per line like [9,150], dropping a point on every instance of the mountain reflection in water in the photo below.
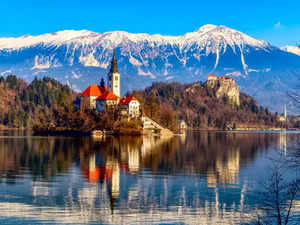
[199,178]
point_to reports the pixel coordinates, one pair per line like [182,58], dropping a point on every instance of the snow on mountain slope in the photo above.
[58,38]
[207,34]
[90,48]
[291,49]
[143,58]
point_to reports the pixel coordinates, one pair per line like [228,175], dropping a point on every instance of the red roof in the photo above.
[225,78]
[98,173]
[93,90]
[93,175]
[108,95]
[211,75]
[126,100]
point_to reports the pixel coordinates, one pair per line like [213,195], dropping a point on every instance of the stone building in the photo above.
[224,87]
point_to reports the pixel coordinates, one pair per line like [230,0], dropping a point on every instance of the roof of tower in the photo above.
[113,67]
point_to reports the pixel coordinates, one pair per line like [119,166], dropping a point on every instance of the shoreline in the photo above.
[243,129]
[77,133]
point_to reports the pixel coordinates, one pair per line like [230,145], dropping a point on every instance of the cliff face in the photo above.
[225,88]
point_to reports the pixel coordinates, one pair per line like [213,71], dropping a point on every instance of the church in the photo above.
[108,97]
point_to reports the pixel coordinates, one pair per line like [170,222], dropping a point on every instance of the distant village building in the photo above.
[130,106]
[182,125]
[283,117]
[101,97]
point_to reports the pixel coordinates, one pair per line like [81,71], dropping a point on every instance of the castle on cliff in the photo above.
[225,87]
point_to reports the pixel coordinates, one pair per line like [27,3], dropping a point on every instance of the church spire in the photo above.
[113,67]
[102,83]
[113,77]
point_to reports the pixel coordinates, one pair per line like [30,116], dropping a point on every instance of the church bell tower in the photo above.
[113,77]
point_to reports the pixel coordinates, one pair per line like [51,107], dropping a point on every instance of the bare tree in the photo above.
[279,194]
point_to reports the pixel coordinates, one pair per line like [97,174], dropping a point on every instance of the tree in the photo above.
[151,106]
[279,195]
[234,126]
[167,117]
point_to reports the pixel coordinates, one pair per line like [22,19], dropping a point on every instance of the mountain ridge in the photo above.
[78,58]
[291,49]
[65,36]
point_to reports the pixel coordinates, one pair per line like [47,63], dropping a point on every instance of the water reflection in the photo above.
[133,180]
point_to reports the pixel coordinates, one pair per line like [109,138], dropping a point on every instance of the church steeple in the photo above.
[114,77]
[102,83]
[113,67]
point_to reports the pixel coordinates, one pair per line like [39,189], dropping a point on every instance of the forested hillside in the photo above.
[198,105]
[23,105]
[47,103]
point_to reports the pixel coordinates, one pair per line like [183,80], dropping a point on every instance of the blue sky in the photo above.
[275,21]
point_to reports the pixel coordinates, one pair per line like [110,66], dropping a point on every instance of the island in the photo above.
[51,108]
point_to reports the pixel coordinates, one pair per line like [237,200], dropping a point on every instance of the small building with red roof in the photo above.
[225,78]
[130,106]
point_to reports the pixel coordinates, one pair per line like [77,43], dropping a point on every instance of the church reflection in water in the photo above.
[139,179]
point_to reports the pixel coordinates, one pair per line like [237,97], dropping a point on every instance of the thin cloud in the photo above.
[278,25]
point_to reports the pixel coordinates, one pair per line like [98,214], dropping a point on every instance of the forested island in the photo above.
[47,104]
[199,106]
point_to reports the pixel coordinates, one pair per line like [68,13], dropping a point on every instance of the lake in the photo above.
[197,178]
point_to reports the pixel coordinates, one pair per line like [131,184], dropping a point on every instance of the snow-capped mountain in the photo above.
[82,57]
[291,49]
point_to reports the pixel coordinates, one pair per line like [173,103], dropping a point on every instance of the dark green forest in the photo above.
[24,105]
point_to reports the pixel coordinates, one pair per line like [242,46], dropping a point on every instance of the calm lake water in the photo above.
[199,178]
